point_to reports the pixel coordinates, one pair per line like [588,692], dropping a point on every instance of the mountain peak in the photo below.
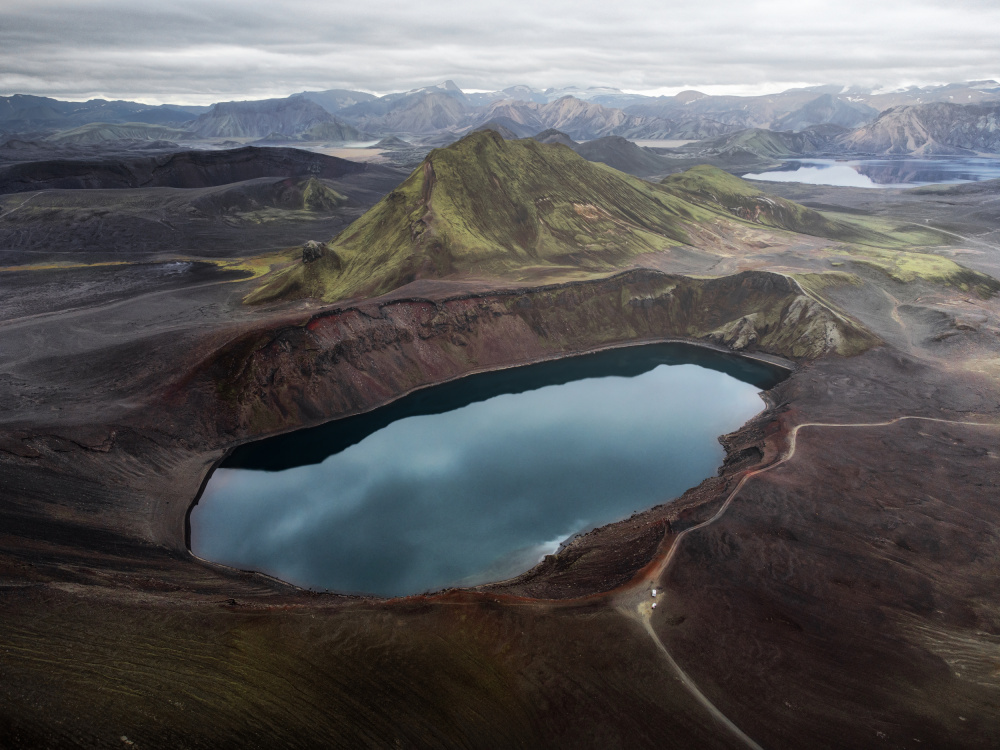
[489,207]
[690,95]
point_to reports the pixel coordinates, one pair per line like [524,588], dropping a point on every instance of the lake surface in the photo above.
[883,173]
[477,480]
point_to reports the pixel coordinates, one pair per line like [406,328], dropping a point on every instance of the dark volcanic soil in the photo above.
[181,169]
[845,598]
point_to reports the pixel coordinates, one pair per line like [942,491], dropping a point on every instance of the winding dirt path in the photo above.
[972,240]
[637,602]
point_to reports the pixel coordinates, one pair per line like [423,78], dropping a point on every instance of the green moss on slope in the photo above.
[488,206]
[711,186]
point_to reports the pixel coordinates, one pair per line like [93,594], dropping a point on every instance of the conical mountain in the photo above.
[488,207]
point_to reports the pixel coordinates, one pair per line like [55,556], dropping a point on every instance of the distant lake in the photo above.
[477,480]
[883,173]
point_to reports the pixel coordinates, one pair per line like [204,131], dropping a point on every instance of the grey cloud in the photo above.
[218,49]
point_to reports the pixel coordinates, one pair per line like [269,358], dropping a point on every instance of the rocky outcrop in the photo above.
[311,251]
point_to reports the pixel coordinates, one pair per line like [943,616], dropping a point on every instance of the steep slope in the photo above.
[258,119]
[489,206]
[928,129]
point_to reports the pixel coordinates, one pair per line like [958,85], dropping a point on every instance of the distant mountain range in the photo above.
[24,113]
[955,118]
[293,116]
[929,129]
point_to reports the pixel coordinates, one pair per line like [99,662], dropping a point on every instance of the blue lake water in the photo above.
[476,480]
[883,173]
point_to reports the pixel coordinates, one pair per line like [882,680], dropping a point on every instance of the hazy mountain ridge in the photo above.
[757,144]
[485,205]
[101,132]
[827,110]
[334,100]
[437,115]
[258,119]
[585,120]
[969,92]
[426,110]
[24,112]
[929,129]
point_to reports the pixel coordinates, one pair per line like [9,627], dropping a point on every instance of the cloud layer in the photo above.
[198,51]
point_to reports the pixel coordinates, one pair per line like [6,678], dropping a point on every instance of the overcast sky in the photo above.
[200,51]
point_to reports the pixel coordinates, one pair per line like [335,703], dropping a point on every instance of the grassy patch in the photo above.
[882,232]
[258,265]
[908,267]
[817,282]
[62,266]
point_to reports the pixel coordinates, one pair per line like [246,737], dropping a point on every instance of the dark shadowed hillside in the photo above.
[185,169]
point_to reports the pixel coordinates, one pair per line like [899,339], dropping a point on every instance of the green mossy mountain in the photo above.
[485,206]
[489,208]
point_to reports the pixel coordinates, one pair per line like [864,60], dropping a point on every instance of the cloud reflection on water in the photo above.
[432,500]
